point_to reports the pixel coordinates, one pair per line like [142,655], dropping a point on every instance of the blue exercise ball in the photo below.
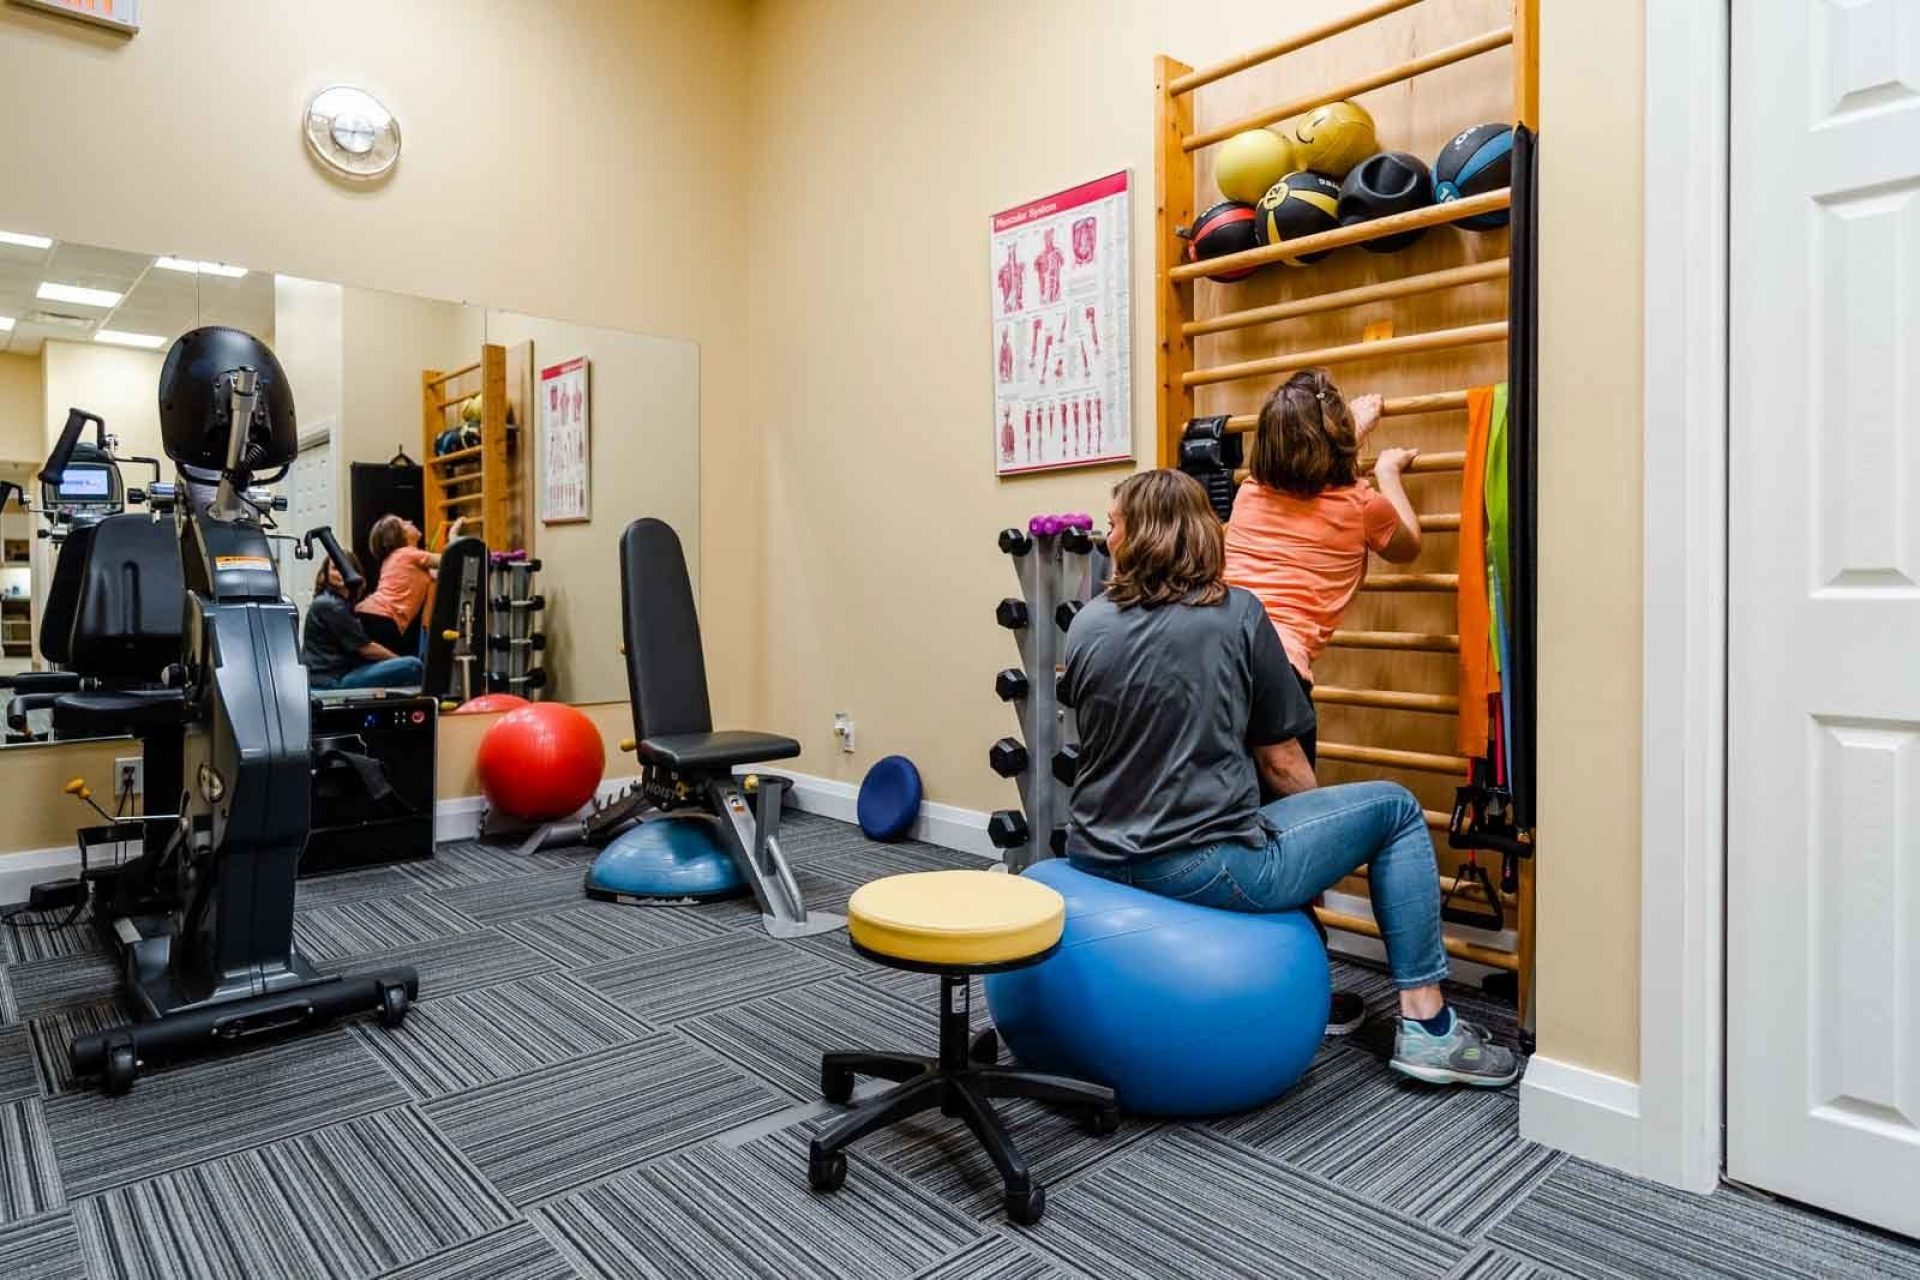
[681,858]
[1182,1010]
[889,799]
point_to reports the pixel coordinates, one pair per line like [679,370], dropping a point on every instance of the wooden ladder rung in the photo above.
[1395,407]
[1392,758]
[1448,522]
[1492,957]
[458,455]
[1405,641]
[1425,464]
[1348,353]
[1411,286]
[465,500]
[1412,582]
[1437,215]
[1267,53]
[443,379]
[1387,699]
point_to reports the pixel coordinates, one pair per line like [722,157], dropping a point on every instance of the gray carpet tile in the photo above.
[18,1078]
[1490,1263]
[940,1154]
[991,1258]
[516,897]
[674,983]
[834,947]
[350,1200]
[461,1041]
[448,966]
[779,1038]
[8,1013]
[30,1182]
[43,985]
[594,932]
[866,862]
[354,886]
[1591,1221]
[1190,1203]
[201,1110]
[544,1134]
[808,838]
[43,939]
[747,1212]
[468,862]
[375,924]
[821,892]
[51,1035]
[43,1248]
[1447,1156]
[516,1252]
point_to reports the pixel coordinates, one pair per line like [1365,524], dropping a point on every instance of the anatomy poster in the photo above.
[565,408]
[1062,373]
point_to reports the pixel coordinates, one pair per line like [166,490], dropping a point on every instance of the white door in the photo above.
[1823,821]
[309,490]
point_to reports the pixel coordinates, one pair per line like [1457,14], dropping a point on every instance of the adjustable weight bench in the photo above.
[685,763]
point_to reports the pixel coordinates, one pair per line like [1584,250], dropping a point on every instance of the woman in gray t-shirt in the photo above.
[1186,704]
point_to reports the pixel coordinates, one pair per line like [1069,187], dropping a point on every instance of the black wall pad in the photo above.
[1523,400]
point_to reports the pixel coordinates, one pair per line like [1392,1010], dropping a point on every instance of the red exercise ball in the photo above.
[492,702]
[540,762]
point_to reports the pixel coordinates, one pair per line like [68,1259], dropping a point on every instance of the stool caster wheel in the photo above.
[986,1048]
[836,1084]
[121,1070]
[393,1004]
[826,1173]
[1025,1207]
[1101,1121]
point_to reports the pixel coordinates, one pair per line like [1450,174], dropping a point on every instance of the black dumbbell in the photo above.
[1067,612]
[1066,763]
[1011,685]
[1007,757]
[1007,828]
[1060,688]
[532,604]
[1011,614]
[500,644]
[1058,842]
[1077,541]
[534,679]
[1015,542]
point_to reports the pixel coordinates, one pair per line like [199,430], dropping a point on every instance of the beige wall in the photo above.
[387,341]
[604,188]
[120,384]
[307,325]
[20,412]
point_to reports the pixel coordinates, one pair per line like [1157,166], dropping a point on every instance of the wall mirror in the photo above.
[517,447]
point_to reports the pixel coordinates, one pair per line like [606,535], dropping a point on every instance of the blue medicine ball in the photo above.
[1473,162]
[681,858]
[889,799]
[1182,1010]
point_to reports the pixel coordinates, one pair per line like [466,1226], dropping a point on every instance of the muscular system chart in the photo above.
[1061,311]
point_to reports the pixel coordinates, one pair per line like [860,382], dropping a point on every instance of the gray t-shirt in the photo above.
[1169,702]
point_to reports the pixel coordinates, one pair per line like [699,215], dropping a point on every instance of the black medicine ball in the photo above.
[1388,183]
[1300,204]
[1225,228]
[1476,161]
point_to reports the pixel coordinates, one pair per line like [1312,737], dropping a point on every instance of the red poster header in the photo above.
[1045,207]
[560,370]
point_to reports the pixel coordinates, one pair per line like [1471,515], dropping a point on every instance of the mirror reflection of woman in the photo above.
[407,571]
[336,648]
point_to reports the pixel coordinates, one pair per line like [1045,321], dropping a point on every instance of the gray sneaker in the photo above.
[1465,1055]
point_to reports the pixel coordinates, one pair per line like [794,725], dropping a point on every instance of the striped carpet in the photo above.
[590,1090]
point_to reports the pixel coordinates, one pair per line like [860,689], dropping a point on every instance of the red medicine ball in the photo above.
[1225,228]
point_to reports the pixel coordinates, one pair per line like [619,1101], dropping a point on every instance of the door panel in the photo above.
[1823,824]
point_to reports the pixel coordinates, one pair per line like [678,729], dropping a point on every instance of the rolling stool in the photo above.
[954,924]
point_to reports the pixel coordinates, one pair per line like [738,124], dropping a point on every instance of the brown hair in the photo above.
[1306,441]
[320,584]
[1171,549]
[388,535]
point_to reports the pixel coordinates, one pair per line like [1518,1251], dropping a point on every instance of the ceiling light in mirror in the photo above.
[201,268]
[6,324]
[75,294]
[121,338]
[26,241]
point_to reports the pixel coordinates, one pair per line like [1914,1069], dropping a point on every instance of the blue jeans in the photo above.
[388,673]
[1319,837]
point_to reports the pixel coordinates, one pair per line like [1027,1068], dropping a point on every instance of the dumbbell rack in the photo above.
[512,638]
[1061,565]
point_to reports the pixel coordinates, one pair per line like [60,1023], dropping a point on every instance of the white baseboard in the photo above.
[19,872]
[1593,1115]
[949,826]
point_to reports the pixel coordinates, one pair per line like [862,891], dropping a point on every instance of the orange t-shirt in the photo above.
[405,580]
[1304,557]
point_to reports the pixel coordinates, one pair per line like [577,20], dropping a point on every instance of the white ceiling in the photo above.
[166,303]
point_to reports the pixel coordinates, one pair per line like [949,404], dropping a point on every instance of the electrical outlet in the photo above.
[129,778]
[843,730]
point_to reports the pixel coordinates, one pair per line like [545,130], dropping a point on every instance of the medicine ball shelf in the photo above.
[1465,305]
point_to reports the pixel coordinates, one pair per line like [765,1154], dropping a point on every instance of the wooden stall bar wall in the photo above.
[1420,326]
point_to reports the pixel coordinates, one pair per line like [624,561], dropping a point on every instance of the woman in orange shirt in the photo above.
[1304,521]
[406,580]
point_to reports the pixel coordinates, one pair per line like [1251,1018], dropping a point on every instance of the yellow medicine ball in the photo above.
[1334,138]
[1250,162]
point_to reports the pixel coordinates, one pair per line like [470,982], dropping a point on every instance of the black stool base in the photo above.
[960,1082]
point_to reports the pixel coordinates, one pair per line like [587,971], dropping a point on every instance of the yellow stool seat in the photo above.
[957,919]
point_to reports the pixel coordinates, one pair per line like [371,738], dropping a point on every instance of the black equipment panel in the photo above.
[361,744]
